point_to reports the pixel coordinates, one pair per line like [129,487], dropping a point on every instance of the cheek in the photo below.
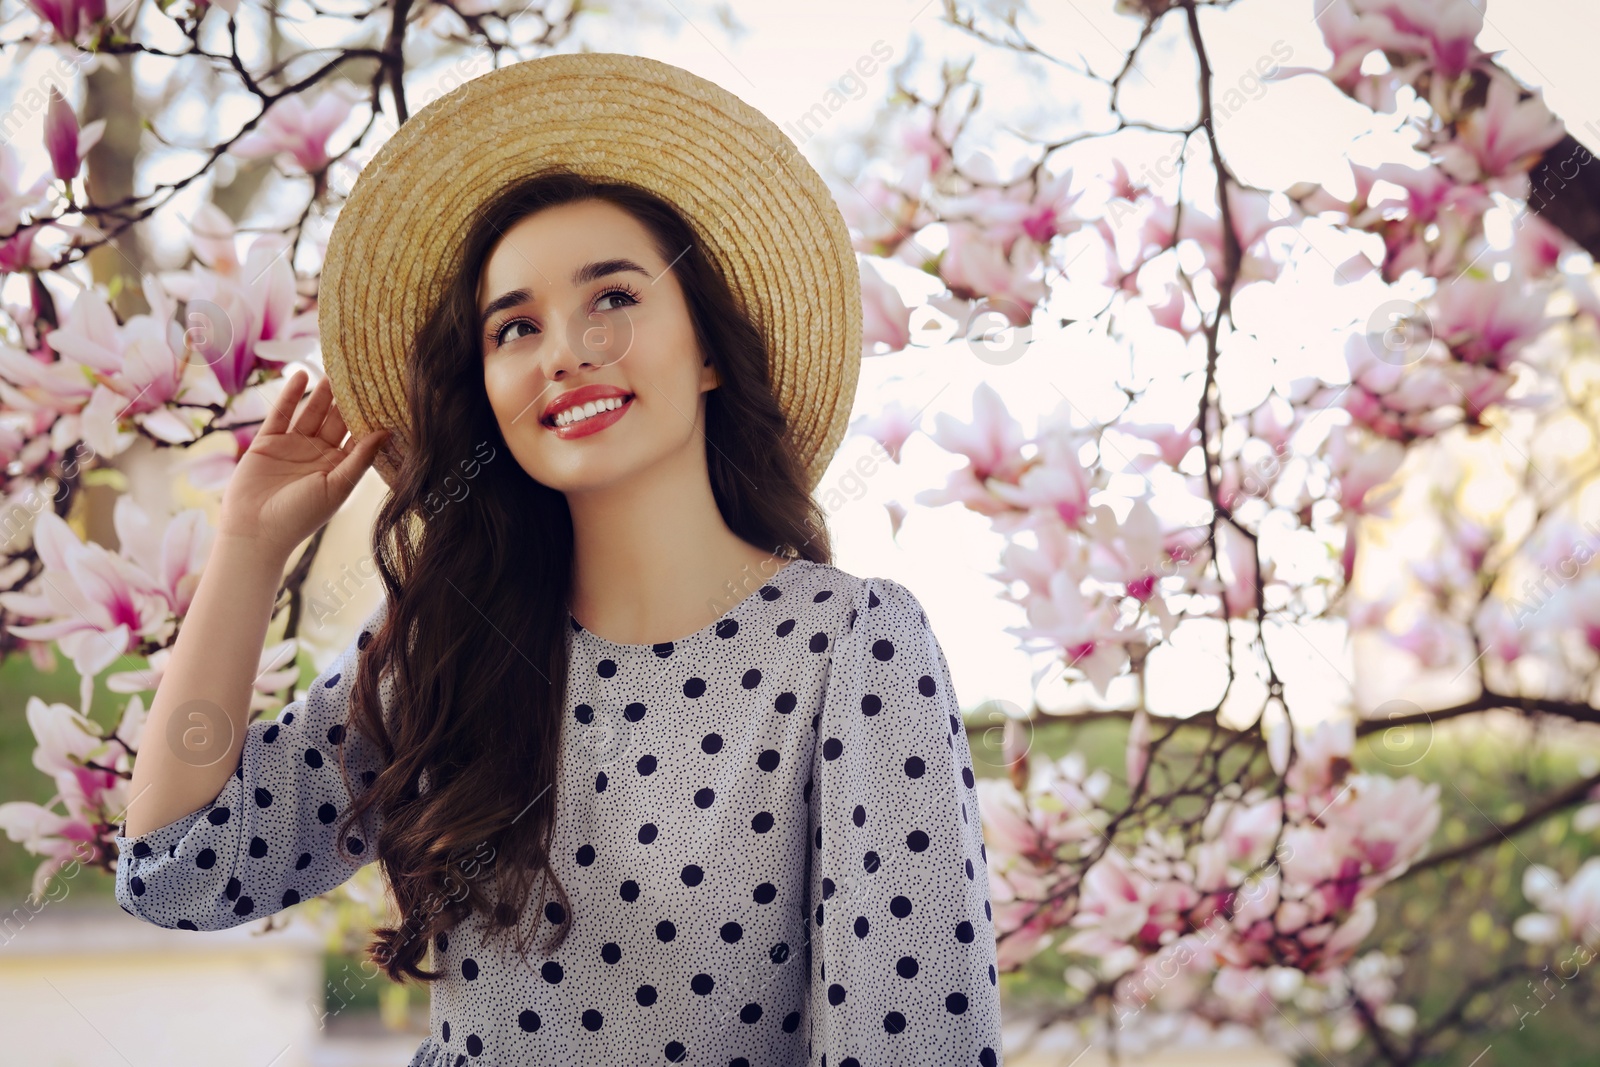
[507,392]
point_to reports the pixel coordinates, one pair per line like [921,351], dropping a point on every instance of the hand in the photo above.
[295,475]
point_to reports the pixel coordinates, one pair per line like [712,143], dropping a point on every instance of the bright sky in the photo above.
[1287,131]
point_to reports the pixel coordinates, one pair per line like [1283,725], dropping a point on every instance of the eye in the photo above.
[502,335]
[630,294]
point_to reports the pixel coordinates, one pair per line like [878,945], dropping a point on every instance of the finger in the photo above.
[333,427]
[309,420]
[360,458]
[283,404]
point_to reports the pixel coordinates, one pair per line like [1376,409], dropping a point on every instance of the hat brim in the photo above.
[766,217]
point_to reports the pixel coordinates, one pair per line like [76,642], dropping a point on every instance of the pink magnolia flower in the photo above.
[1248,830]
[1486,322]
[14,197]
[1499,630]
[1004,215]
[90,335]
[926,154]
[1385,822]
[239,323]
[292,127]
[1433,198]
[1132,553]
[1249,214]
[1363,468]
[1120,905]
[66,743]
[889,427]
[1444,31]
[1322,758]
[139,369]
[18,251]
[1350,35]
[211,235]
[1085,632]
[65,739]
[59,838]
[1575,607]
[1238,586]
[1505,136]
[886,317]
[1059,552]
[95,604]
[66,17]
[1122,186]
[65,142]
[975,265]
[171,552]
[1055,480]
[992,441]
[1536,246]
[1172,443]
[884,218]
[1169,314]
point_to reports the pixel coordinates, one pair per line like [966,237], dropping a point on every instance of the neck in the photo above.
[653,559]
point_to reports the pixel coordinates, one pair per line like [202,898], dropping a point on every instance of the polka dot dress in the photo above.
[768,832]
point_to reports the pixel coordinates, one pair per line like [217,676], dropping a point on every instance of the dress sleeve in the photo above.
[902,944]
[267,841]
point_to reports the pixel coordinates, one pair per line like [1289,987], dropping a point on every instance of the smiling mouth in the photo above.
[551,423]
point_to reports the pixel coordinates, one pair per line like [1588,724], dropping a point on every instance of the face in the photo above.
[577,297]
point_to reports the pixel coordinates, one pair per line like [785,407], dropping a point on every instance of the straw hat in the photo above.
[764,215]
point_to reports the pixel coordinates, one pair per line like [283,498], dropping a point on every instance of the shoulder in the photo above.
[877,608]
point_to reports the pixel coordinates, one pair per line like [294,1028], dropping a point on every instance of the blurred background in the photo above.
[1230,399]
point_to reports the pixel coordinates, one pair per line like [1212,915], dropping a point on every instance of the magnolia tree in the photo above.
[1235,874]
[1236,869]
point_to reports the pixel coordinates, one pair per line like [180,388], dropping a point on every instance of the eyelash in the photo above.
[499,332]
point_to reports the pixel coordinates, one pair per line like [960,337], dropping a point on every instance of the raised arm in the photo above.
[295,475]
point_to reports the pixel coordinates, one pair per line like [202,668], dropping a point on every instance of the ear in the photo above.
[708,375]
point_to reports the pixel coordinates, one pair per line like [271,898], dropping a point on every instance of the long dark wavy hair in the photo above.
[478,574]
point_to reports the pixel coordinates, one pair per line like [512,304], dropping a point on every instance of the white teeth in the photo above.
[584,411]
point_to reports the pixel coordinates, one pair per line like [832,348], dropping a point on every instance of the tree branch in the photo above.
[1575,793]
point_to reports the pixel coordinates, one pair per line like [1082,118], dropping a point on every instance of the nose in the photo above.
[583,343]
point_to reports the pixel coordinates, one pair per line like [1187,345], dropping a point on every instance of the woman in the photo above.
[737,774]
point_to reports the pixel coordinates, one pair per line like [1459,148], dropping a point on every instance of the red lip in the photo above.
[575,397]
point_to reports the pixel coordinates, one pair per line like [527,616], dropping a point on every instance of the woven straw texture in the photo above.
[764,215]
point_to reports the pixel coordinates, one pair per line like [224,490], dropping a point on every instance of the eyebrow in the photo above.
[586,273]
